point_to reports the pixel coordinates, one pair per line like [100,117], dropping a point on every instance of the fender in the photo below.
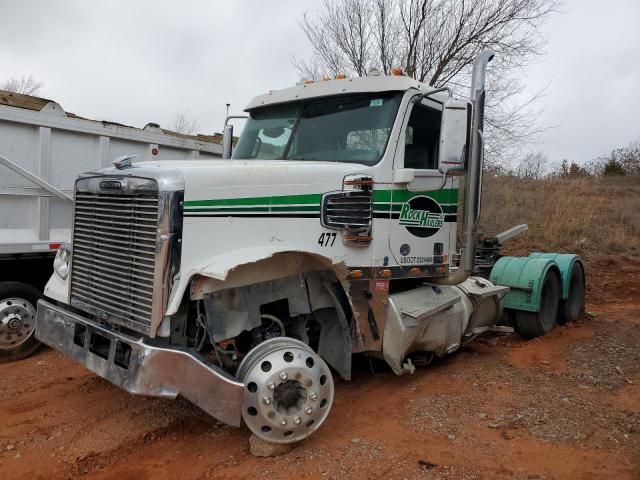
[565,262]
[238,268]
[245,268]
[524,277]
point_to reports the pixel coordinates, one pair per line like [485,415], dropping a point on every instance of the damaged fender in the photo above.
[235,285]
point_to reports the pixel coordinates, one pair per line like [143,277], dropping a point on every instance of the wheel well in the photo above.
[32,270]
[310,306]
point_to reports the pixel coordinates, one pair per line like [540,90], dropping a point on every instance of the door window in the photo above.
[422,138]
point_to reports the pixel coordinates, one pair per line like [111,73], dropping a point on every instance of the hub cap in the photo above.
[17,321]
[288,390]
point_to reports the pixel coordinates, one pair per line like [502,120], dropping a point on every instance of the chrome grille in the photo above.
[114,257]
[347,209]
[351,212]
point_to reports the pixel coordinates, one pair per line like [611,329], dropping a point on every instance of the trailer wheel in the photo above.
[573,306]
[288,390]
[536,324]
[18,303]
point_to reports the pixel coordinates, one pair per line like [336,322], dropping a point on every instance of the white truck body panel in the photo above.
[57,147]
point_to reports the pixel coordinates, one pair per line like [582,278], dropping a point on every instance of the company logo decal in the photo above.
[422,216]
[111,185]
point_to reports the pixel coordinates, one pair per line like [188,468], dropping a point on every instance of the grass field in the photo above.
[591,216]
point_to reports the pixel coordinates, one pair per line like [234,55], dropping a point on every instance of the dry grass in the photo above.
[586,216]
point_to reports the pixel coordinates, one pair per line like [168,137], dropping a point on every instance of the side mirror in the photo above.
[227,135]
[227,141]
[455,129]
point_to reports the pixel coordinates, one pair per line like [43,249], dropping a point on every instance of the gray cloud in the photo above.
[144,61]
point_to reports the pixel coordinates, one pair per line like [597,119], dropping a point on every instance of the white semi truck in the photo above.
[245,284]
[43,149]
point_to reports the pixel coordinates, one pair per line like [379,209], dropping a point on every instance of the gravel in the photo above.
[571,407]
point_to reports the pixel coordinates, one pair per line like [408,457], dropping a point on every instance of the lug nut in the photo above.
[283,422]
[271,386]
[266,400]
[313,396]
[297,420]
[283,376]
[308,410]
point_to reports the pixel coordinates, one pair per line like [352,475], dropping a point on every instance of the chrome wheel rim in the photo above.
[288,390]
[17,322]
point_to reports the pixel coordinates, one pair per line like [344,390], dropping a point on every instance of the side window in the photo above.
[422,138]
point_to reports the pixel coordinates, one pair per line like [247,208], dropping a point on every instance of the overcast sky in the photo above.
[136,62]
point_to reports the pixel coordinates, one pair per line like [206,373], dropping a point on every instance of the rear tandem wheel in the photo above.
[573,306]
[536,324]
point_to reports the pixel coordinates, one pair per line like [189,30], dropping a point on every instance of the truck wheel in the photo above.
[536,324]
[573,306]
[288,390]
[18,303]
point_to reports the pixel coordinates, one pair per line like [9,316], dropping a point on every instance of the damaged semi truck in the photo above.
[245,284]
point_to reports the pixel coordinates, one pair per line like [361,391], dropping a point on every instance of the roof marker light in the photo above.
[396,71]
[340,76]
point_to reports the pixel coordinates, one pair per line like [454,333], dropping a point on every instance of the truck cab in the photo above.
[244,284]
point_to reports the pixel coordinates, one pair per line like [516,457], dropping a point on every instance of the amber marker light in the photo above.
[396,71]
[341,76]
[355,273]
[386,273]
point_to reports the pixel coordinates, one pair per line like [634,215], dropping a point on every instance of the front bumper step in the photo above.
[139,368]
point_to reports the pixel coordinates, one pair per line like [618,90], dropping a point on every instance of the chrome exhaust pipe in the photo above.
[473,182]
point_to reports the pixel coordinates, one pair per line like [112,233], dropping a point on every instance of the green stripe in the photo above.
[312,201]
[313,198]
[310,208]
[396,207]
[447,195]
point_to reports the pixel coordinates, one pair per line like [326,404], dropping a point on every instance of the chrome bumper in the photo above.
[139,368]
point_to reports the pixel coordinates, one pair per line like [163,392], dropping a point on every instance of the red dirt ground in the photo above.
[566,406]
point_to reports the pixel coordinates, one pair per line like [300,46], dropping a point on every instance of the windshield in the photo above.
[352,128]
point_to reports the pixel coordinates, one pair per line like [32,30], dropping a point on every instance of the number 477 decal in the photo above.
[327,239]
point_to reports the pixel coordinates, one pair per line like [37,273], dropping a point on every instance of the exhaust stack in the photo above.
[473,182]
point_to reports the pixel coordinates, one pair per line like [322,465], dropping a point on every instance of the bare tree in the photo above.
[181,123]
[533,166]
[435,42]
[25,85]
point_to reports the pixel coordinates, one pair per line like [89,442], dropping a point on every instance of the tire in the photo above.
[571,308]
[18,302]
[288,390]
[536,324]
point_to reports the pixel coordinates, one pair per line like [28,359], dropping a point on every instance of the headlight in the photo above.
[61,262]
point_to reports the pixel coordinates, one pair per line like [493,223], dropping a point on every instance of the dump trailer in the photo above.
[43,149]
[246,284]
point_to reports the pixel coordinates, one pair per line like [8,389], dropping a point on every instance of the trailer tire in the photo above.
[573,306]
[536,324]
[18,303]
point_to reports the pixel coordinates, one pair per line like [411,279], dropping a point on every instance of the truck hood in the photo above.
[233,179]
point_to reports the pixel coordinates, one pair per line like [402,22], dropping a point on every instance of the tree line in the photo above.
[536,165]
